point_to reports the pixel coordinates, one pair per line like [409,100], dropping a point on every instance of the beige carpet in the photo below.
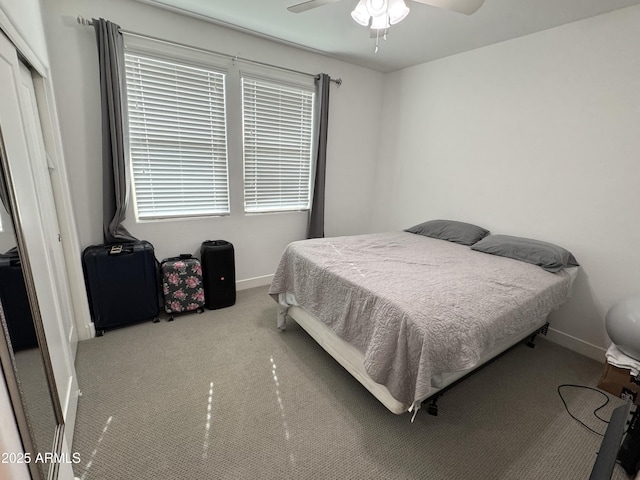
[225,395]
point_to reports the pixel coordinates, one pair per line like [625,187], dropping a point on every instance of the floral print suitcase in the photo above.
[182,285]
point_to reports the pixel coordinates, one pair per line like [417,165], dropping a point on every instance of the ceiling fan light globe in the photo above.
[360,13]
[377,8]
[381,22]
[398,10]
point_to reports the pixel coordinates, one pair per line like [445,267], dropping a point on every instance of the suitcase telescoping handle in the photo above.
[12,258]
[215,243]
[10,262]
[183,256]
[120,249]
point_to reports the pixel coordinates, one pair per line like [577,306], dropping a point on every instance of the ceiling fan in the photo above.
[379,15]
[461,6]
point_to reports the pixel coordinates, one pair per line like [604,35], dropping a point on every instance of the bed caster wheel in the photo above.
[432,410]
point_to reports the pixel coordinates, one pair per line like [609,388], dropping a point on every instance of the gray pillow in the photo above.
[550,257]
[458,232]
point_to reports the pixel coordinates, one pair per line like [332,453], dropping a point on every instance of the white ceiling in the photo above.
[426,34]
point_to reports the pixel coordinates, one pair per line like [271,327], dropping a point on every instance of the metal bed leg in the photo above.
[543,330]
[432,408]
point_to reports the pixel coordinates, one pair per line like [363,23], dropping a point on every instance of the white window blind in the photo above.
[178,138]
[277,142]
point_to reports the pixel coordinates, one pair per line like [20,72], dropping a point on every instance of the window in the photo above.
[277,142]
[178,138]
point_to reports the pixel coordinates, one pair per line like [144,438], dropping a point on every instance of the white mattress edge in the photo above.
[346,355]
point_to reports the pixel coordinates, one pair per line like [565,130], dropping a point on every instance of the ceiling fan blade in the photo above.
[461,6]
[304,6]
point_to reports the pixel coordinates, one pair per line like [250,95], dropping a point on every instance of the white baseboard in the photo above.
[572,343]
[91,330]
[254,282]
[87,331]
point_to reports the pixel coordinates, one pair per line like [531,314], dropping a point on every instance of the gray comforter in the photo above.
[415,306]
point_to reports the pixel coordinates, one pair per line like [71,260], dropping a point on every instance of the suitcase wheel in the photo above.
[99,333]
[170,319]
[201,310]
[156,319]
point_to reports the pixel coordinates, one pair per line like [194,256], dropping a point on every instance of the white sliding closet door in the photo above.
[63,339]
[26,156]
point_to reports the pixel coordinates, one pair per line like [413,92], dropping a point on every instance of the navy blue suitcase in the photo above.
[122,284]
[15,302]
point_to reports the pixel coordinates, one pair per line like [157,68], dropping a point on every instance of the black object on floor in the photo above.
[629,453]
[606,459]
[15,302]
[122,283]
[219,273]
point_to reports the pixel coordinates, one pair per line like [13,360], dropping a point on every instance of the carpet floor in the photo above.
[225,395]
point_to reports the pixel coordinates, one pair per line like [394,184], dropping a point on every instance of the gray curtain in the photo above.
[316,214]
[115,182]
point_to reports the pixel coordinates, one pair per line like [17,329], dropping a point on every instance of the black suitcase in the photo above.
[182,285]
[122,283]
[15,303]
[219,273]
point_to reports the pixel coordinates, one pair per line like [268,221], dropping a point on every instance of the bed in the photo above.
[408,315]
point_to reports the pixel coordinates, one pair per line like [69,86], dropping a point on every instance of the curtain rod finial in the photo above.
[83,21]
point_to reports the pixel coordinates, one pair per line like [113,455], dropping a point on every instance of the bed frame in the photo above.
[353,361]
[324,259]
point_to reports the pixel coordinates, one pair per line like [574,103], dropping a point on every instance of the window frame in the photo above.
[180,56]
[293,82]
[234,69]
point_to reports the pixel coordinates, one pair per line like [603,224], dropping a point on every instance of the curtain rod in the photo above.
[87,23]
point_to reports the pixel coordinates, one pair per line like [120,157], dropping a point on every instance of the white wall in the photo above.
[537,136]
[258,239]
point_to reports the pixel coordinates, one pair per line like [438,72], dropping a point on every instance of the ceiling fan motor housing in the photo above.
[376,7]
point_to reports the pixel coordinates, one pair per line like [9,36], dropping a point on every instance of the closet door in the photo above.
[36,218]
[49,267]
[42,169]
